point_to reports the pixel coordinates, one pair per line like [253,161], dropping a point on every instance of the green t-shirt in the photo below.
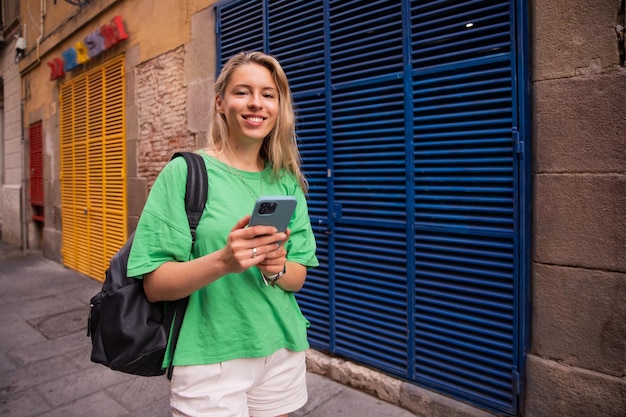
[237,316]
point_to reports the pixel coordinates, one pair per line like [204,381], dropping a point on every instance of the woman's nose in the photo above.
[254,101]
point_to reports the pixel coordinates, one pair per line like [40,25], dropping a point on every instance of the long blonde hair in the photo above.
[280,147]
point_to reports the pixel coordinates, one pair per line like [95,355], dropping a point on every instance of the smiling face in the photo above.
[249,104]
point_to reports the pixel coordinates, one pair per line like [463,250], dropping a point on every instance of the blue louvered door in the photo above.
[411,134]
[464,162]
[369,183]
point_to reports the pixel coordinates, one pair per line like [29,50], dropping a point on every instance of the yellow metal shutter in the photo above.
[93,168]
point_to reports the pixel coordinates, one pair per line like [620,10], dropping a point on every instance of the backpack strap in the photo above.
[197,189]
[195,199]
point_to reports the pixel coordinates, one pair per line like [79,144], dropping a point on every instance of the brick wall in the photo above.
[161,100]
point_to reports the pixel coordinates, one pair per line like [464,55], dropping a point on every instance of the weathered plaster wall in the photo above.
[577,361]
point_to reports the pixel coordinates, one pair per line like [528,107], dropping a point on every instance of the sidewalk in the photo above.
[44,355]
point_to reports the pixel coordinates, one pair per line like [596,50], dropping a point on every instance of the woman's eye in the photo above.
[268,95]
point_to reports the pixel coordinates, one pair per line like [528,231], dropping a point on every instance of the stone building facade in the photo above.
[577,358]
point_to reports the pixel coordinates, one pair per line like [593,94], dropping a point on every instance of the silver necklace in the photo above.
[254,197]
[235,171]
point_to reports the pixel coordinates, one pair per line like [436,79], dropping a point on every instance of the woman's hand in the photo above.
[275,260]
[254,246]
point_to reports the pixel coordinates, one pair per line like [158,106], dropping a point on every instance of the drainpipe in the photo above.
[43,15]
[23,193]
[25,156]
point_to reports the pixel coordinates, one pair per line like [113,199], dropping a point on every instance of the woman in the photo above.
[241,347]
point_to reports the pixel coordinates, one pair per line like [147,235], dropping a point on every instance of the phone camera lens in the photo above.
[267,208]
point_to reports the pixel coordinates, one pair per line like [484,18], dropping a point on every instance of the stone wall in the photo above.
[577,357]
[11,152]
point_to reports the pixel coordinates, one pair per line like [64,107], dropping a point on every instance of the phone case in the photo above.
[273,211]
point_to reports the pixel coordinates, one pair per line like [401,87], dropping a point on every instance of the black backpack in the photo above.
[128,332]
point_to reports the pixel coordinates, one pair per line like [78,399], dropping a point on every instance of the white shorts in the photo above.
[258,387]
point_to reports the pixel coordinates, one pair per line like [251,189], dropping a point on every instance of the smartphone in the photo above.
[273,211]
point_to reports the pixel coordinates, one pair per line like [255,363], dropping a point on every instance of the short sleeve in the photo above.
[162,233]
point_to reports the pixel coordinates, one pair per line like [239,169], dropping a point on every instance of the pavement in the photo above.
[45,368]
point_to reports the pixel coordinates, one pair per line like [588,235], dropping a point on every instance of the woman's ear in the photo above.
[218,104]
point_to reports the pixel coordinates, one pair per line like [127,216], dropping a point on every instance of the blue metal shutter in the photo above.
[407,121]
[369,183]
[465,232]
[239,28]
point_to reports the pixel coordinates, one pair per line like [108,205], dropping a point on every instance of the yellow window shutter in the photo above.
[93,168]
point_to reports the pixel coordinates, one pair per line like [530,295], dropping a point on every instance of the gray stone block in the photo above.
[199,52]
[579,221]
[22,404]
[425,403]
[73,387]
[52,244]
[580,124]
[47,349]
[98,404]
[132,127]
[199,97]
[579,318]
[555,389]
[137,195]
[5,364]
[573,38]
[137,393]
[11,206]
[35,374]
[21,335]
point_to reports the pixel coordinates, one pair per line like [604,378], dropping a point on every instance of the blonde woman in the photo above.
[241,347]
